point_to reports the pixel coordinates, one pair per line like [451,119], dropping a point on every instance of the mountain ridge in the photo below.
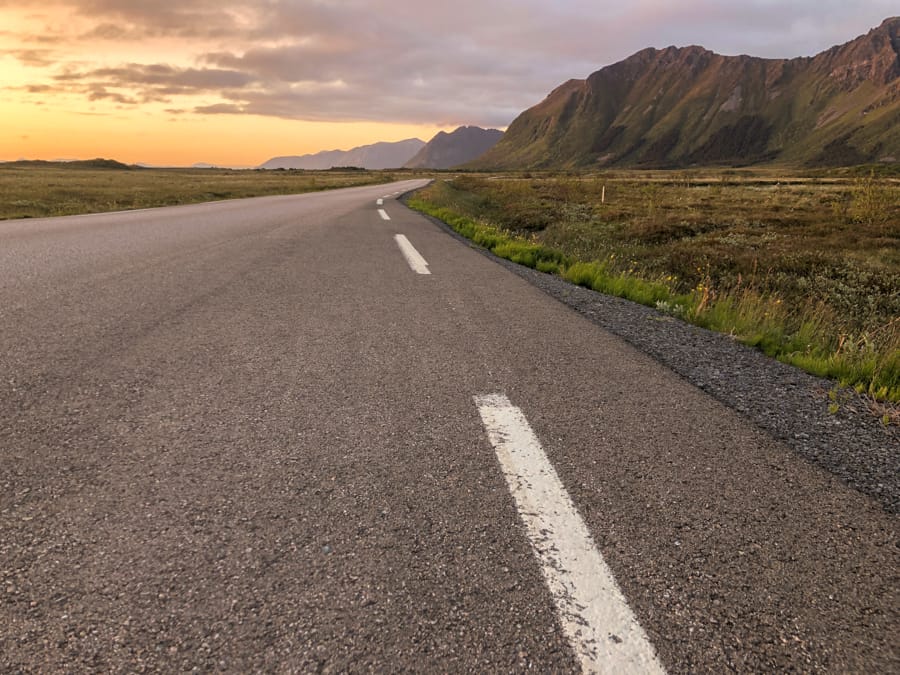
[447,150]
[381,155]
[683,106]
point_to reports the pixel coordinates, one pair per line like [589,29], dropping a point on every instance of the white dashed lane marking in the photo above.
[383,214]
[594,614]
[414,259]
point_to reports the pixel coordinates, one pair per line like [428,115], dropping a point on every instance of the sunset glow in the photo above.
[53,117]
[235,83]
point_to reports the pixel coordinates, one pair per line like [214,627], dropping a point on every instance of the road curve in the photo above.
[257,435]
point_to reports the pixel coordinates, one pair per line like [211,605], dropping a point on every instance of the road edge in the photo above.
[788,404]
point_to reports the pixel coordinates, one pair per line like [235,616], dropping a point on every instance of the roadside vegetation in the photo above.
[805,267]
[41,189]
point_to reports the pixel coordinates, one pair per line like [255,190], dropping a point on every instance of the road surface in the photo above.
[315,433]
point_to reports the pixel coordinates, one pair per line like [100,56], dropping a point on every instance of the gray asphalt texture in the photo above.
[241,437]
[793,406]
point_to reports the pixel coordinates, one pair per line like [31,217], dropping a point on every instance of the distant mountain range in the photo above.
[689,106]
[446,151]
[441,152]
[376,156]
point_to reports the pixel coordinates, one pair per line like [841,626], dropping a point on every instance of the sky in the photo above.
[235,82]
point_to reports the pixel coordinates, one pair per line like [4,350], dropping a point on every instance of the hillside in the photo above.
[445,151]
[688,106]
[98,163]
[376,156]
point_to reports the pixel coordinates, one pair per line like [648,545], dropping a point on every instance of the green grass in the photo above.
[42,189]
[805,268]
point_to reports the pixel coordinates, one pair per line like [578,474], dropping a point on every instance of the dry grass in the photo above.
[58,190]
[807,268]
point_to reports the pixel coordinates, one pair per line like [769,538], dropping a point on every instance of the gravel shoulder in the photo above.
[786,402]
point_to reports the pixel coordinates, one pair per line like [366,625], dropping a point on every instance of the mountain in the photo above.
[458,147]
[376,156]
[689,106]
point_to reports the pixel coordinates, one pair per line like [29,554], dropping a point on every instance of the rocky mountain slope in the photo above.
[445,151]
[375,156]
[689,106]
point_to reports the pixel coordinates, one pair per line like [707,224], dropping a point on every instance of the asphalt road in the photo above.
[247,436]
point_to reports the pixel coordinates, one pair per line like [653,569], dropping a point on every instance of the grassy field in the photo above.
[37,190]
[804,267]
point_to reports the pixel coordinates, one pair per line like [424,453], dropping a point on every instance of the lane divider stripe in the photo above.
[594,614]
[414,259]
[383,214]
[380,201]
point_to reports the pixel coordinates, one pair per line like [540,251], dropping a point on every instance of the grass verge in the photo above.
[805,331]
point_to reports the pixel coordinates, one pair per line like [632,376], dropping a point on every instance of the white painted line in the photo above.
[383,214]
[415,260]
[593,612]
[380,202]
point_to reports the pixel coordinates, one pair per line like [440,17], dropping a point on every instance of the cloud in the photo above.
[109,31]
[469,61]
[362,76]
[99,93]
[34,58]
[220,109]
[135,83]
[167,76]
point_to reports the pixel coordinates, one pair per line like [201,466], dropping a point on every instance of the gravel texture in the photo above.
[786,402]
